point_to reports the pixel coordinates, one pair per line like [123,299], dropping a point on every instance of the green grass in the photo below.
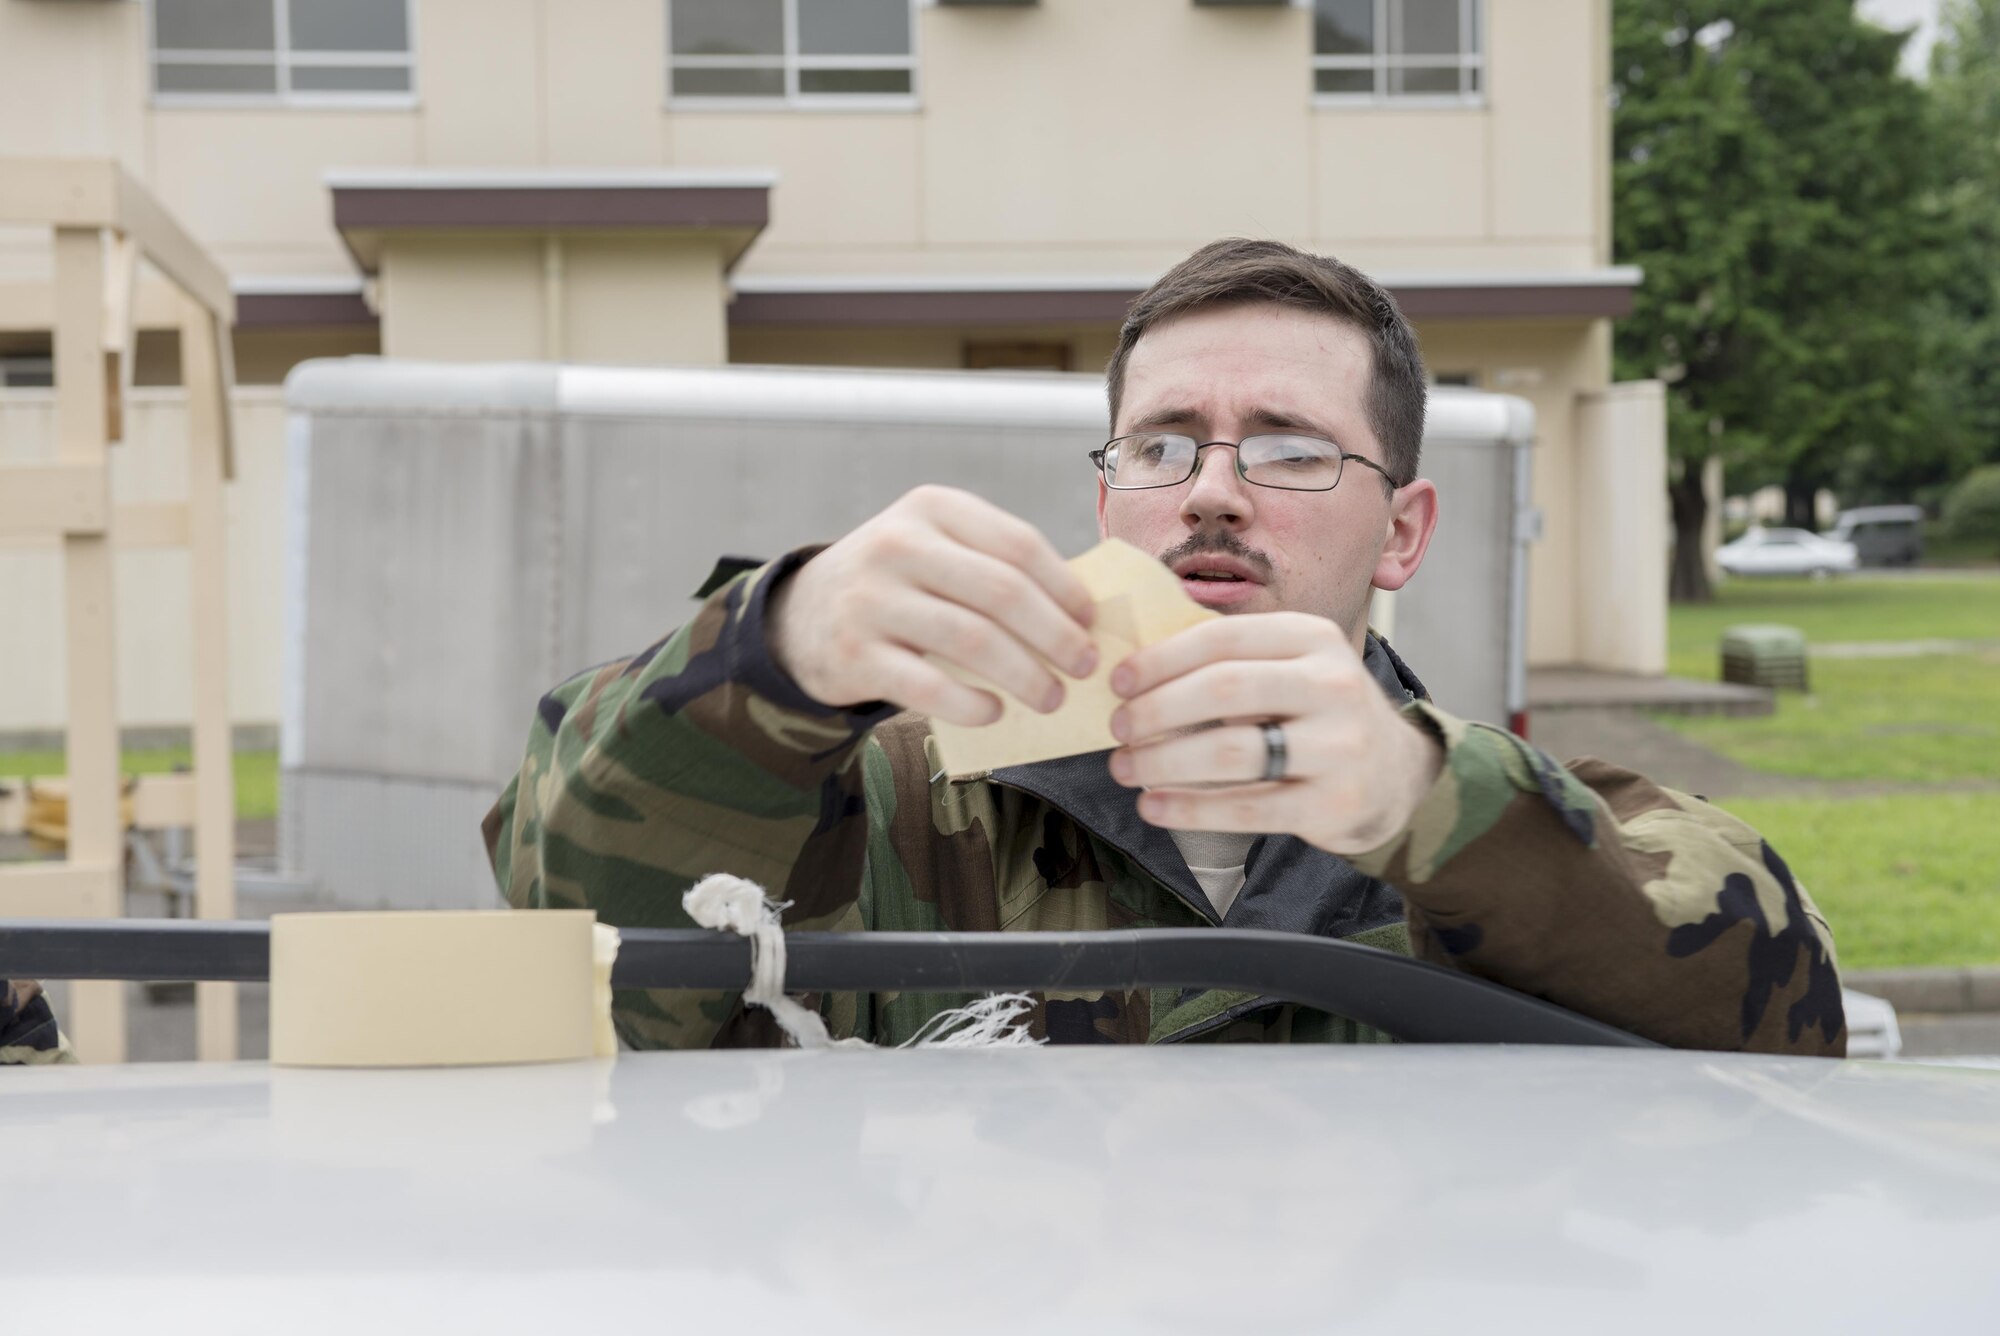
[1905,878]
[256,772]
[1928,720]
[1835,610]
[1911,879]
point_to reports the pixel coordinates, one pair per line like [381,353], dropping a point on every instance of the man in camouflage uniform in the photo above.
[782,734]
[28,1033]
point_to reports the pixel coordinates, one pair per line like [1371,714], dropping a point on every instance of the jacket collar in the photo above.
[1289,885]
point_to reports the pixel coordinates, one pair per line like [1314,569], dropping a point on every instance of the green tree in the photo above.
[1773,177]
[1965,87]
[1972,511]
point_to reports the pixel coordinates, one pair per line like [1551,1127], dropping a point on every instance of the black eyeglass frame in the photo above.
[1194,466]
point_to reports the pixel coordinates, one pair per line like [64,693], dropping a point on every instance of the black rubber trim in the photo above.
[145,950]
[1411,1000]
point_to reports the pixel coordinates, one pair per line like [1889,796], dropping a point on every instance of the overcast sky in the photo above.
[1901,14]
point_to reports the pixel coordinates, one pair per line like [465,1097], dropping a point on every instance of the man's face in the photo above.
[1236,371]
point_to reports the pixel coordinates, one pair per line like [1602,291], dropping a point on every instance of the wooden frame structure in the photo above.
[104,223]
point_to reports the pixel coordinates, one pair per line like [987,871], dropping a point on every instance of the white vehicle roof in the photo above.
[1761,534]
[1881,515]
[1201,1190]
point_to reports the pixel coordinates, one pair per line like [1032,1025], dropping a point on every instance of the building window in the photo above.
[295,51]
[1377,50]
[790,52]
[27,373]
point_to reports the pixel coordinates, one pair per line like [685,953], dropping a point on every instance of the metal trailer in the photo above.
[1883,535]
[463,537]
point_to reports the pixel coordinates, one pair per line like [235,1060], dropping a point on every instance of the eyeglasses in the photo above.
[1161,459]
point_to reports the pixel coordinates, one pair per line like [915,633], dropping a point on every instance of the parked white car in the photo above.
[1786,552]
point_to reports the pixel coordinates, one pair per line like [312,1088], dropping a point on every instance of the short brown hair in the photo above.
[1238,271]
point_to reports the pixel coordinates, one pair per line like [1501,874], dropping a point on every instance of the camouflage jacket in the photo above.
[1588,885]
[28,1033]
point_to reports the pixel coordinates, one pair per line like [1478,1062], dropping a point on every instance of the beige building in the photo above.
[910,183]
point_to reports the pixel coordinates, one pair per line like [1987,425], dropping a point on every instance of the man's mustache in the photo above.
[1218,541]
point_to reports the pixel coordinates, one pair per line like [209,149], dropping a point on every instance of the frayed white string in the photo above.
[720,900]
[999,1020]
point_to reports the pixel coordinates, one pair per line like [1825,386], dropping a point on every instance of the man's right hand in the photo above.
[940,572]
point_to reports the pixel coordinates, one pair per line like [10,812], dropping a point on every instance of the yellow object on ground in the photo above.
[439,988]
[48,809]
[1139,602]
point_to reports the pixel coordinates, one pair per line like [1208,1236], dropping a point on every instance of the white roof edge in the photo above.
[551,178]
[1454,413]
[1623,275]
[838,394]
[253,285]
[378,384]
[822,394]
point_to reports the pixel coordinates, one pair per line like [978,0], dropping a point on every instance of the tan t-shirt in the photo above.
[1216,858]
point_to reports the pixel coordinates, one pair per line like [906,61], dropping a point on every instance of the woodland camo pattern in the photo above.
[1587,885]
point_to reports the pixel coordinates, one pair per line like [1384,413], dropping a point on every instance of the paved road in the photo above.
[1892,573]
[1630,739]
[1965,1034]
[1897,649]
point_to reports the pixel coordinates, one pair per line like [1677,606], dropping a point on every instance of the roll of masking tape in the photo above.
[440,988]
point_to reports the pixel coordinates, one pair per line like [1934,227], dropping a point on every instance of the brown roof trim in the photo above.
[1499,303]
[296,310]
[517,207]
[1031,306]
[299,310]
[1052,305]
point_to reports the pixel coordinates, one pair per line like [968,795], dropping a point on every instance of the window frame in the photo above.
[282,58]
[791,62]
[1472,16]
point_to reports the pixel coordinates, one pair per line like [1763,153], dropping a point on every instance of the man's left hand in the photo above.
[1355,769]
